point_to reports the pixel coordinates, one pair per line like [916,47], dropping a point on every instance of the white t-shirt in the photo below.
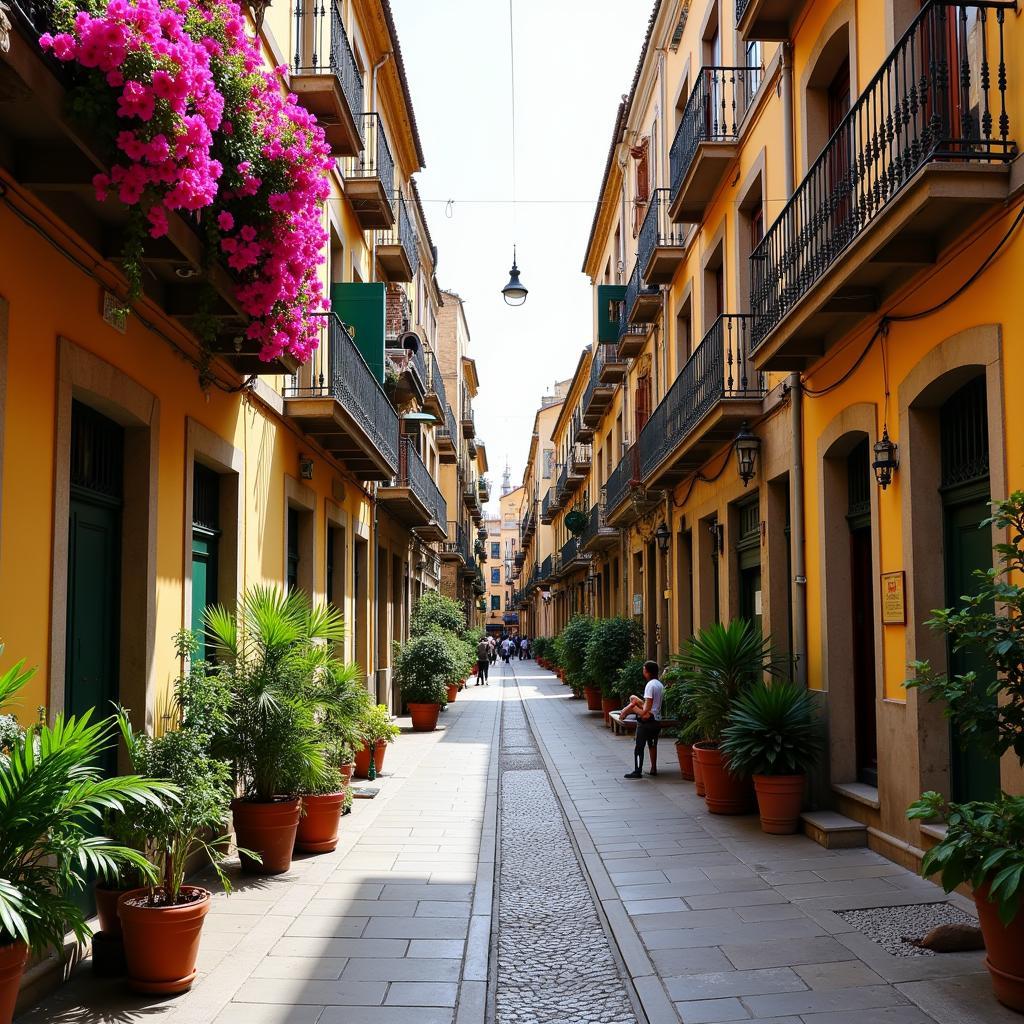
[655,690]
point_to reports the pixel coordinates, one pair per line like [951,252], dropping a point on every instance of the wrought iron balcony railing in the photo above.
[658,230]
[456,544]
[569,552]
[546,568]
[402,234]
[603,353]
[412,473]
[719,369]
[713,113]
[562,485]
[322,46]
[341,373]
[597,522]
[940,95]
[620,480]
[636,290]
[435,381]
[375,159]
[450,429]
[581,456]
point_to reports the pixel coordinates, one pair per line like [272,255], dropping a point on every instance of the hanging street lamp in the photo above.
[747,446]
[887,459]
[515,291]
[662,536]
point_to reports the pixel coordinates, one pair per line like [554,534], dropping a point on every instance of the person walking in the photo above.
[493,645]
[524,647]
[506,648]
[483,659]
[648,721]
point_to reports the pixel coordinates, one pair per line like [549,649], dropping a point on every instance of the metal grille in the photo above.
[205,497]
[858,481]
[964,429]
[750,521]
[97,452]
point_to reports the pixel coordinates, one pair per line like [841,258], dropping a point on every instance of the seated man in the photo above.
[648,720]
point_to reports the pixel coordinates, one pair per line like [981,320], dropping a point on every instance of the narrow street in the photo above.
[617,902]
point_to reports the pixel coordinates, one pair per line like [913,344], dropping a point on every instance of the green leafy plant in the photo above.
[772,730]
[53,795]
[435,610]
[613,643]
[376,726]
[572,650]
[270,655]
[540,647]
[629,681]
[984,840]
[424,665]
[716,666]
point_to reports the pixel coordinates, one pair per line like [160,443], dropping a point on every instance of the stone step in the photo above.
[834,831]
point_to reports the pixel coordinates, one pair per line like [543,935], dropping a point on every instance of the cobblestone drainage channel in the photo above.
[555,963]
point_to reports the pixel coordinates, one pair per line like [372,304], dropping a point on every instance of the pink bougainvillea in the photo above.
[198,123]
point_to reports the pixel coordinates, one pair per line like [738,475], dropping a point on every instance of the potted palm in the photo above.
[322,806]
[423,666]
[53,794]
[572,651]
[717,665]
[162,923]
[613,643]
[774,737]
[269,654]
[983,846]
[376,731]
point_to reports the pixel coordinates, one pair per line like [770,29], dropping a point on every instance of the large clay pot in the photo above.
[161,943]
[1004,946]
[106,909]
[608,705]
[593,695]
[779,799]
[318,825]
[12,966]
[698,777]
[347,770]
[723,793]
[363,760]
[453,691]
[269,830]
[684,751]
[424,717]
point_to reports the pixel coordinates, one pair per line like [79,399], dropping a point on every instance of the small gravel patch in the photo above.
[888,925]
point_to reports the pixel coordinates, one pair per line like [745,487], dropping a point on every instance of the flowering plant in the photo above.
[196,123]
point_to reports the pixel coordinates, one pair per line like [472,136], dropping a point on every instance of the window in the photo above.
[496,575]
[495,549]
[495,602]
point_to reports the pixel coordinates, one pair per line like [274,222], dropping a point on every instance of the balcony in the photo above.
[767,19]
[626,498]
[413,498]
[547,512]
[613,369]
[598,535]
[405,357]
[717,391]
[398,249]
[447,436]
[920,157]
[546,573]
[571,558]
[325,77]
[483,490]
[562,488]
[435,400]
[467,419]
[642,302]
[580,459]
[662,242]
[337,401]
[598,394]
[707,139]
[455,547]
[370,176]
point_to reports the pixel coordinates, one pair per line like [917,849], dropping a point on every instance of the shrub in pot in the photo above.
[773,736]
[571,646]
[162,923]
[52,796]
[613,642]
[423,666]
[273,654]
[984,842]
[716,666]
[376,730]
[672,708]
[322,806]
[435,611]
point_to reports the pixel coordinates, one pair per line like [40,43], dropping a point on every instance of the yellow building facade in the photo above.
[801,260]
[143,477]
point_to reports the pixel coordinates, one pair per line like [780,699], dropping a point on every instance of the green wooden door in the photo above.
[975,775]
[205,541]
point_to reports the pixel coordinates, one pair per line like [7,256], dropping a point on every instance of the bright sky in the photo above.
[573,61]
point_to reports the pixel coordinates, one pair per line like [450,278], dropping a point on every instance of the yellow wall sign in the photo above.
[894,607]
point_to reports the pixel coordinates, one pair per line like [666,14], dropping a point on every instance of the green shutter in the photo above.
[608,298]
[361,306]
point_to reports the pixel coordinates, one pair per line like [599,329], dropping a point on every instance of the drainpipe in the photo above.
[787,118]
[796,529]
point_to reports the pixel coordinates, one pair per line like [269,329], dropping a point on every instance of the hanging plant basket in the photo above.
[575,522]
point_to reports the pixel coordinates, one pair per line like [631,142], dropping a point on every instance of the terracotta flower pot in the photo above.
[779,799]
[453,692]
[161,943]
[684,751]
[269,830]
[424,717]
[347,770]
[12,966]
[593,695]
[363,760]
[106,909]
[724,793]
[698,777]
[318,826]
[1004,947]
[608,705]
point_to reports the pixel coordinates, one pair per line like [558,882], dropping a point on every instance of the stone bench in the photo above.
[621,728]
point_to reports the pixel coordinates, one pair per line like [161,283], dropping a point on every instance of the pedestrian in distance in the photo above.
[483,659]
[493,645]
[524,648]
[506,650]
[648,720]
